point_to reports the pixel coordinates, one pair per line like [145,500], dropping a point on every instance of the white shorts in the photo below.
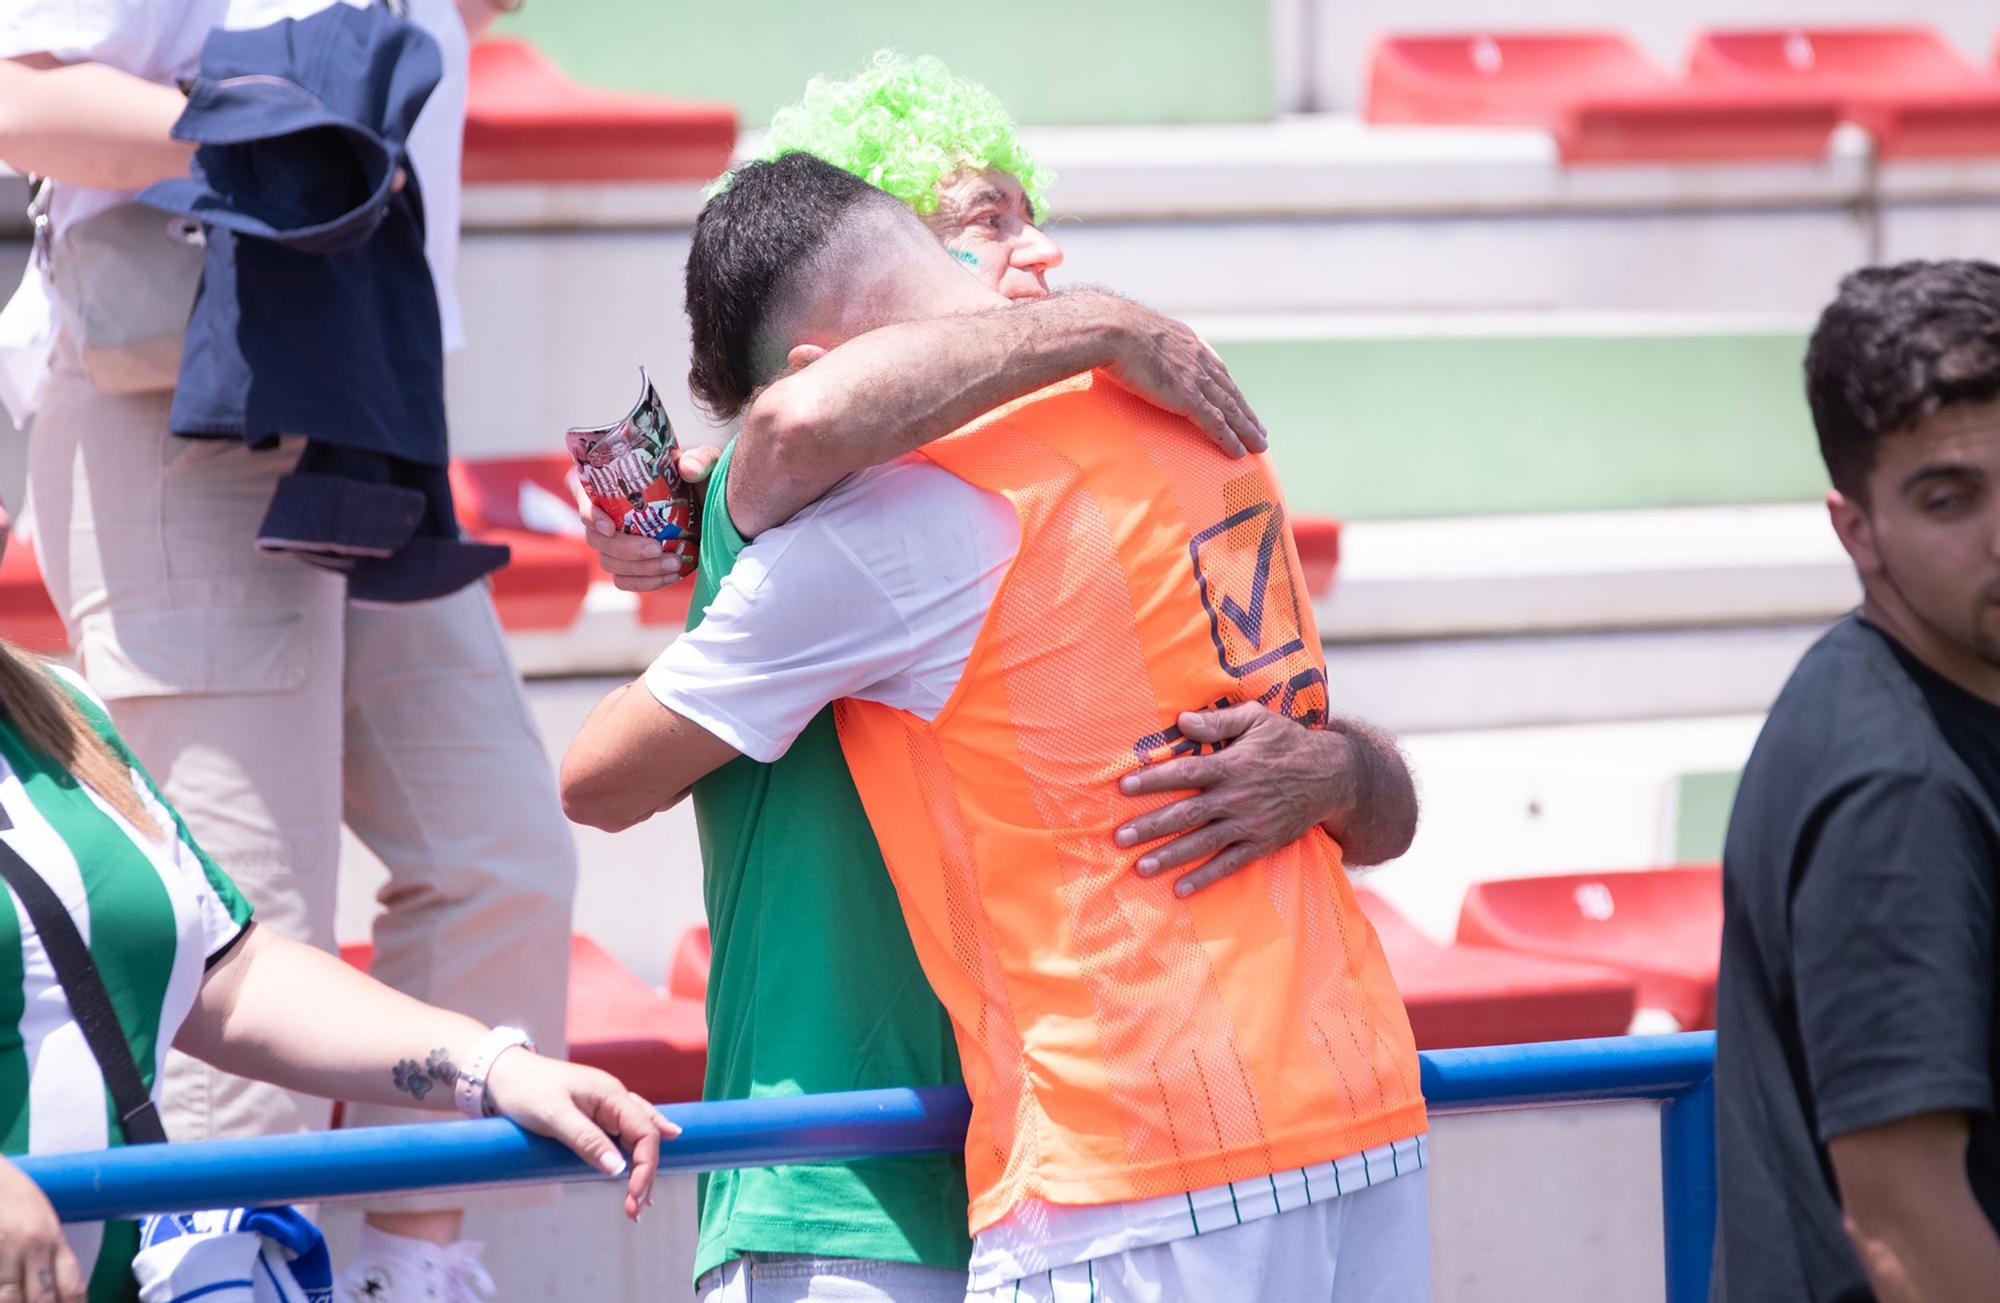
[793,1278]
[1371,1246]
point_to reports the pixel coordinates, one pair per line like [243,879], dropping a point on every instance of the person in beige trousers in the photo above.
[272,709]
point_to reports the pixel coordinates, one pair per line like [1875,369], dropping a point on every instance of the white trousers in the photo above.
[790,1278]
[270,711]
[1370,1246]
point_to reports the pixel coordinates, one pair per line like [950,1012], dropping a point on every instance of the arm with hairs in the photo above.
[894,389]
[1267,783]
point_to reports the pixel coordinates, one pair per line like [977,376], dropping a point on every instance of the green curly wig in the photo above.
[904,125]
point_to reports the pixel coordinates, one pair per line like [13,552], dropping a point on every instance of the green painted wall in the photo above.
[1701,819]
[1060,61]
[1439,426]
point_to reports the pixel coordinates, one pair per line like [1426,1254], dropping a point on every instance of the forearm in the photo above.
[632,759]
[284,1012]
[890,391]
[1372,811]
[1940,1250]
[89,125]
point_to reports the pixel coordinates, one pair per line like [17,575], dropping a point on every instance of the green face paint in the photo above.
[966,256]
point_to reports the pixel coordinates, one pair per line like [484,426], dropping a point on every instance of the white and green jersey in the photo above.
[153,910]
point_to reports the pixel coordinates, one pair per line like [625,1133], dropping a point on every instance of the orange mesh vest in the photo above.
[1120,1043]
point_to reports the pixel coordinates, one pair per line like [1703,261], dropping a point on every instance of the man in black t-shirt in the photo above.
[1856,1051]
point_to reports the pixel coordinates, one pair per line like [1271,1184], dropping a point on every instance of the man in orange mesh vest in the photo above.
[1176,1095]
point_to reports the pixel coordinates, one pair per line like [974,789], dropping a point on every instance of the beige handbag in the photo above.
[124,283]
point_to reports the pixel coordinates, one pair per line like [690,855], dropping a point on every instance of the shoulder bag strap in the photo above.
[89,1002]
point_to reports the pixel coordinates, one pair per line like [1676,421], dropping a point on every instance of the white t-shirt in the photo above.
[161,40]
[878,591]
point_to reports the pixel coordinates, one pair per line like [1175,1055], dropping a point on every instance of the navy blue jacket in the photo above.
[316,314]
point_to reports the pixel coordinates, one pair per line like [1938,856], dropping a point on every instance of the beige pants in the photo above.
[270,711]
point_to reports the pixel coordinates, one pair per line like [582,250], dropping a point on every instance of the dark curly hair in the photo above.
[1896,345]
[774,217]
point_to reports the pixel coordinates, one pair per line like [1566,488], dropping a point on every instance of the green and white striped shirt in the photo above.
[154,911]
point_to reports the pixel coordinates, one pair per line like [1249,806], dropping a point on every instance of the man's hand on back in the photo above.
[635,563]
[1171,367]
[1270,780]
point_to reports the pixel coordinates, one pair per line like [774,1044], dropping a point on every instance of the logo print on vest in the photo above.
[1247,589]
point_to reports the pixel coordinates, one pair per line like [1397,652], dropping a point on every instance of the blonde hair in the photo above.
[49,719]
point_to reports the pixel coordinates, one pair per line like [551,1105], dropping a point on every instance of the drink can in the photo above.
[631,470]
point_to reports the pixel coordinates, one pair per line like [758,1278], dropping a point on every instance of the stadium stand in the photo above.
[655,1044]
[1554,407]
[1909,89]
[526,121]
[528,504]
[1601,98]
[1662,926]
[1479,995]
[687,978]
[27,617]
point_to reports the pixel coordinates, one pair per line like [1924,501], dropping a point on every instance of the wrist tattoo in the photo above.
[416,1079]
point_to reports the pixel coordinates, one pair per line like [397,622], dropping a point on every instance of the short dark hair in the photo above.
[772,218]
[1896,345]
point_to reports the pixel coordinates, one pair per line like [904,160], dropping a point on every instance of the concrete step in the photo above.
[1581,572]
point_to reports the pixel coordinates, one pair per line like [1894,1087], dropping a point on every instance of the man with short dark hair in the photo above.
[1856,1048]
[1176,1094]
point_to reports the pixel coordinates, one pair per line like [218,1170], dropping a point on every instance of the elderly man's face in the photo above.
[984,219]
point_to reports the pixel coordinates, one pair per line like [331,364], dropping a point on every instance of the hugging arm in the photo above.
[634,758]
[799,622]
[1267,783]
[892,390]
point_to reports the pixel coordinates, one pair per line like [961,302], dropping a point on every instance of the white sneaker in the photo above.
[397,1269]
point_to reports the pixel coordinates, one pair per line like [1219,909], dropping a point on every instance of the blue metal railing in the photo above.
[1676,1070]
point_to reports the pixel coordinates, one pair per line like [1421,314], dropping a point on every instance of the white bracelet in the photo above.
[470,1089]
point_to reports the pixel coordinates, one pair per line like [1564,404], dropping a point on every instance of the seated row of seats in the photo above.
[1537,959]
[1759,95]
[1561,956]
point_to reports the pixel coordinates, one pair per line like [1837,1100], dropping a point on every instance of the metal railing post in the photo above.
[1687,1191]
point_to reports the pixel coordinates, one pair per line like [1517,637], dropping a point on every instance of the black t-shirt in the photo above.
[1857,981]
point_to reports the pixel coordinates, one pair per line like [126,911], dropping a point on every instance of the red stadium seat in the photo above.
[1318,541]
[656,1045]
[688,978]
[1661,926]
[1602,99]
[1914,93]
[1472,995]
[526,121]
[517,501]
[667,605]
[28,619]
